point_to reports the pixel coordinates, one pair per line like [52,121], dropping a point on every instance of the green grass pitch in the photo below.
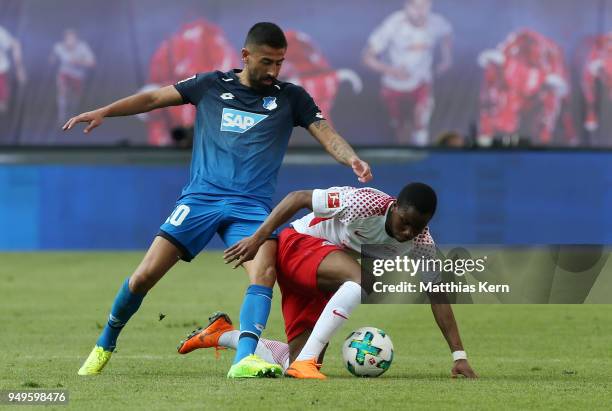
[52,306]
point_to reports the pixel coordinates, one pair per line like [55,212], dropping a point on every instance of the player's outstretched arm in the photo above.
[339,149]
[135,104]
[246,249]
[443,313]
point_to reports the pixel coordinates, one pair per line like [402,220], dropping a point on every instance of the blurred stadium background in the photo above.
[516,69]
[513,64]
[517,146]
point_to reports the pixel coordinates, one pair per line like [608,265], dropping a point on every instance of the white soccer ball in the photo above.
[367,352]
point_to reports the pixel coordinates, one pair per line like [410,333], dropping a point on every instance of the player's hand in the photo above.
[94,118]
[362,170]
[243,251]
[462,367]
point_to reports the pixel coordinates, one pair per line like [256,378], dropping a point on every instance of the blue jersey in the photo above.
[241,135]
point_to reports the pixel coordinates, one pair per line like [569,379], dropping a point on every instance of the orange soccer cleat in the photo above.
[305,369]
[219,323]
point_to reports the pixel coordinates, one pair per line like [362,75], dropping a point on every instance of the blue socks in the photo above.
[253,318]
[125,305]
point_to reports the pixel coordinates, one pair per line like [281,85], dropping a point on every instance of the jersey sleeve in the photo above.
[442,26]
[348,204]
[192,89]
[305,111]
[425,248]
[330,202]
[381,36]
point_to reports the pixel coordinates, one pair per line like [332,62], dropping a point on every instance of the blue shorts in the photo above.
[196,219]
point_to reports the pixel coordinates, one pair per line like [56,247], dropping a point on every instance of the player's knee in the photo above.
[145,277]
[338,282]
[139,284]
[265,277]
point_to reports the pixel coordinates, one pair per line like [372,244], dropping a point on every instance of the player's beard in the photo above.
[257,82]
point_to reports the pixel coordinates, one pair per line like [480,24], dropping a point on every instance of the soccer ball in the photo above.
[367,352]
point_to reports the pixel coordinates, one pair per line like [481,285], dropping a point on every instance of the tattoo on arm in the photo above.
[334,143]
[322,125]
[340,149]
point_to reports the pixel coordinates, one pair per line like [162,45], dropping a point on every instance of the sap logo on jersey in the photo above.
[238,121]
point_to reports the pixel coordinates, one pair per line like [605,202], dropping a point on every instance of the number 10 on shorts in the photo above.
[178,215]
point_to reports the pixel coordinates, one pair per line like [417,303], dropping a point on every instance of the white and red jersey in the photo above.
[409,47]
[350,217]
[74,60]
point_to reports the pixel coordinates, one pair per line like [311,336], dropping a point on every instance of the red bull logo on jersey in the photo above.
[238,121]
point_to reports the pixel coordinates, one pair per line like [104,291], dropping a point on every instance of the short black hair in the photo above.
[266,34]
[420,196]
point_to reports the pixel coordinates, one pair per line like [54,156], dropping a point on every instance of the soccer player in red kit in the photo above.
[319,277]
[307,66]
[525,88]
[198,46]
[597,71]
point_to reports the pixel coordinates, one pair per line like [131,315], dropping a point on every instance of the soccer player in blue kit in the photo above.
[243,124]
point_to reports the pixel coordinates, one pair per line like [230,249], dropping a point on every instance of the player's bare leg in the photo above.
[254,315]
[262,269]
[396,103]
[403,133]
[61,99]
[340,273]
[423,109]
[337,268]
[160,257]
